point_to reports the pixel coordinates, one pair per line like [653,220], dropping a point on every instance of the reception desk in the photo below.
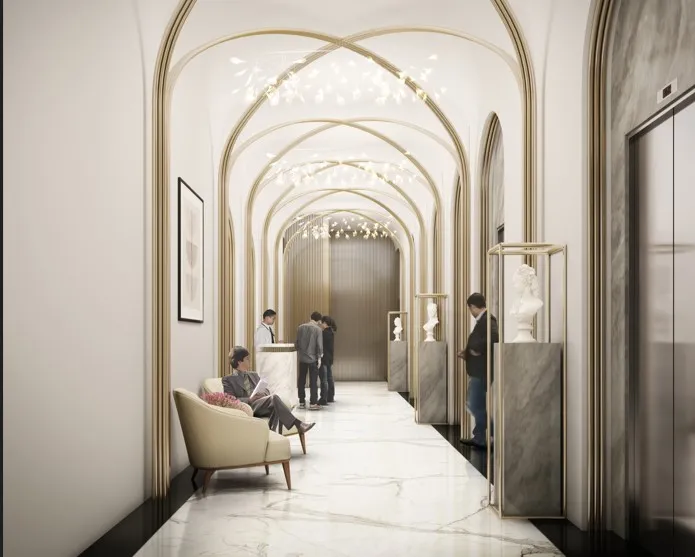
[277,364]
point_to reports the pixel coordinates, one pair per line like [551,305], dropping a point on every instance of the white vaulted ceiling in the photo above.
[457,52]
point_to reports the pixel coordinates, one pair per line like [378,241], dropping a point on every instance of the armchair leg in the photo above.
[195,473]
[267,469]
[286,469]
[206,480]
[302,440]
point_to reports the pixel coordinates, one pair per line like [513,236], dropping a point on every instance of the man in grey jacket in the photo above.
[309,345]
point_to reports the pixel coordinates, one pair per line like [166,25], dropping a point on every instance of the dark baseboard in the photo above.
[569,539]
[130,534]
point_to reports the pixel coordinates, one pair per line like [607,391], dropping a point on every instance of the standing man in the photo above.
[309,345]
[264,332]
[475,354]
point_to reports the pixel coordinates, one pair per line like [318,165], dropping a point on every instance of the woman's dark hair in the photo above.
[238,354]
[328,320]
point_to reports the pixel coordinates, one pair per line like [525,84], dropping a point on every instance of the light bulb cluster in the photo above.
[345,228]
[343,173]
[341,83]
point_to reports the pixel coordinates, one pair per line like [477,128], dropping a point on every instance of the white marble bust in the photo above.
[525,283]
[432,322]
[398,328]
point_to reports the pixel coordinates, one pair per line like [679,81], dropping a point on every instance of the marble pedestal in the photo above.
[528,429]
[431,400]
[277,364]
[398,366]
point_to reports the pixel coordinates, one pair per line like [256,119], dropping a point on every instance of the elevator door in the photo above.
[661,376]
[364,288]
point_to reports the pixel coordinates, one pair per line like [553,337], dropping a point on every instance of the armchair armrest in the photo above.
[219,437]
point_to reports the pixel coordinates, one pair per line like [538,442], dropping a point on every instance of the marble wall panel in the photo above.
[398,370]
[432,379]
[653,42]
[531,429]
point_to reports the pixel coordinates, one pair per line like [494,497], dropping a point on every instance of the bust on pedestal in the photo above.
[525,283]
[432,322]
[398,329]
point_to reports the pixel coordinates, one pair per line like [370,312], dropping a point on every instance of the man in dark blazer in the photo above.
[241,384]
[475,354]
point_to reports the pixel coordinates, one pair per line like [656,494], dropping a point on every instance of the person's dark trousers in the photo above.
[323,380]
[330,384]
[477,406]
[272,407]
[313,371]
[327,384]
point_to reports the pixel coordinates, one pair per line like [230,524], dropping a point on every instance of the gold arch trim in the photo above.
[342,122]
[161,271]
[528,97]
[278,204]
[404,291]
[327,192]
[370,34]
[257,184]
[333,43]
[491,133]
[596,262]
[411,269]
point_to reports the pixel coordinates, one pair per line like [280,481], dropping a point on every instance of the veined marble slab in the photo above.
[374,484]
[398,366]
[531,428]
[432,383]
[277,364]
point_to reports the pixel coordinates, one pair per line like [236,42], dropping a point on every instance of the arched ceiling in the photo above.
[397,86]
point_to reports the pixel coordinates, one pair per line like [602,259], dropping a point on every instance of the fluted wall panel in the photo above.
[365,282]
[307,280]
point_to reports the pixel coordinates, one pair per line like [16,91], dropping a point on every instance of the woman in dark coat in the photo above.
[327,384]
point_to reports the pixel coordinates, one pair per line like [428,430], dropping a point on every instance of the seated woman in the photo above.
[242,383]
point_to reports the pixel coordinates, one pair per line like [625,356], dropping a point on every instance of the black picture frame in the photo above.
[195,252]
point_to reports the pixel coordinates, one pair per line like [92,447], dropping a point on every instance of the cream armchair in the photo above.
[214,385]
[223,438]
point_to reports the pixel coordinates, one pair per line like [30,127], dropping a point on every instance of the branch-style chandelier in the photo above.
[346,228]
[340,82]
[345,172]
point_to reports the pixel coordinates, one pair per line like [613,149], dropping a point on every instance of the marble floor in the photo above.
[373,484]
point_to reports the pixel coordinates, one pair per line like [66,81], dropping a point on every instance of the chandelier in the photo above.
[340,83]
[345,172]
[345,228]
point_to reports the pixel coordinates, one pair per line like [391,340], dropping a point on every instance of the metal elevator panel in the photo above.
[365,283]
[661,378]
[684,330]
[653,444]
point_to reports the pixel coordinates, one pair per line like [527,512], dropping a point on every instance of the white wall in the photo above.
[192,344]
[557,42]
[74,192]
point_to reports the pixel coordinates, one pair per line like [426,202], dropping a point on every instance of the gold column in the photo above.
[596,260]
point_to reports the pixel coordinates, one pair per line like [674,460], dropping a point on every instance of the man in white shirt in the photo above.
[264,332]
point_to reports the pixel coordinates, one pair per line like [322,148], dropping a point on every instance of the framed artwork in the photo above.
[191,275]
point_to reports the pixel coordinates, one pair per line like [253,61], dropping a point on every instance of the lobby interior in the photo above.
[173,168]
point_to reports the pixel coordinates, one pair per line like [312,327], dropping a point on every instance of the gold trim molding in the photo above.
[164,79]
[491,133]
[596,260]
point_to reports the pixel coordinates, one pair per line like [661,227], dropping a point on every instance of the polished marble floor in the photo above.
[373,483]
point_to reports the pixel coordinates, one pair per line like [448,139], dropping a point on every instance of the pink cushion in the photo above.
[227,401]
